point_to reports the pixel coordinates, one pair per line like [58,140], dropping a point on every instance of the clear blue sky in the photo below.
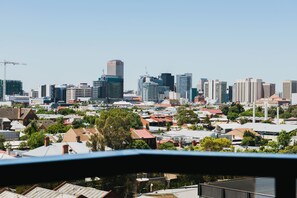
[70,41]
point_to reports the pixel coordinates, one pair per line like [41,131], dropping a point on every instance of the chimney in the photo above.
[19,112]
[65,149]
[78,138]
[46,141]
[8,151]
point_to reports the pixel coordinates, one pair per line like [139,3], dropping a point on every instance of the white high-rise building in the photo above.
[247,90]
[216,90]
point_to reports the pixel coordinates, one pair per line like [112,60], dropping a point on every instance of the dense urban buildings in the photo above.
[268,90]
[247,90]
[184,84]
[289,87]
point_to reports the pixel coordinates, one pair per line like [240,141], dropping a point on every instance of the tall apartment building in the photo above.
[13,87]
[216,90]
[74,92]
[115,68]
[47,91]
[289,87]
[268,89]
[247,90]
[200,85]
[184,84]
[168,80]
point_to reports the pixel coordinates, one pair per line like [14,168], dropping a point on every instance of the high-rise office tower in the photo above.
[184,84]
[216,90]
[13,87]
[115,68]
[168,80]
[200,85]
[289,87]
[268,89]
[247,90]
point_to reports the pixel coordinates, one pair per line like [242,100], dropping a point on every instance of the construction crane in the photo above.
[4,75]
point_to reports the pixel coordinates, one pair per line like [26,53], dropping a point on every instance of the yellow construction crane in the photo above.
[4,75]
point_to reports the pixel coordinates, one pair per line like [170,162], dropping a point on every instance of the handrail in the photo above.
[77,166]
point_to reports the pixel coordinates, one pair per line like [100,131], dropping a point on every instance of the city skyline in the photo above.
[71,42]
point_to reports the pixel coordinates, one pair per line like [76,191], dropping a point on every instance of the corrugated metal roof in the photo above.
[80,190]
[56,149]
[39,192]
[8,194]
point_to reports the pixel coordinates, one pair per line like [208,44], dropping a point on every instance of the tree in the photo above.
[78,124]
[36,140]
[139,144]
[66,111]
[224,109]
[115,126]
[32,128]
[96,142]
[283,139]
[57,128]
[214,144]
[185,116]
[2,140]
[167,146]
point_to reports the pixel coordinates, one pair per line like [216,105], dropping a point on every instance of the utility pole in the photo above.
[4,75]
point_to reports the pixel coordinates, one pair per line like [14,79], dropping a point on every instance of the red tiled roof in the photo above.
[213,111]
[141,133]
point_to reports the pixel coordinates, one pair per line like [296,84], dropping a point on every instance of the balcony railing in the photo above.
[71,167]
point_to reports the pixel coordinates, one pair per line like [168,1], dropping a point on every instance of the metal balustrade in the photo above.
[76,166]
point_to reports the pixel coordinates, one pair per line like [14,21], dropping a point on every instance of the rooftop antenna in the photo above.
[146,71]
[103,71]
[4,76]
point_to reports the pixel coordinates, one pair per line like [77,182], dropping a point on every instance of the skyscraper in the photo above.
[289,87]
[268,89]
[247,90]
[216,90]
[200,85]
[184,84]
[168,80]
[115,68]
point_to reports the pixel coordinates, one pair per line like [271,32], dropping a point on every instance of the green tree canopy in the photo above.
[185,116]
[36,140]
[214,144]
[57,128]
[167,146]
[115,126]
[283,139]
[139,144]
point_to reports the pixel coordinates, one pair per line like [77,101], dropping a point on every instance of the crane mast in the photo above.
[4,75]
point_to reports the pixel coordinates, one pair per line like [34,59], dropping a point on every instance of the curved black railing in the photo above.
[76,166]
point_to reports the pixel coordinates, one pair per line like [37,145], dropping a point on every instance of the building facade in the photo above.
[184,84]
[168,80]
[215,90]
[268,90]
[13,87]
[289,87]
[247,90]
[74,92]
[115,68]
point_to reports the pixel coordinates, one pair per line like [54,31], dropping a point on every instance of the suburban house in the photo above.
[80,134]
[145,135]
[23,115]
[236,135]
[61,148]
